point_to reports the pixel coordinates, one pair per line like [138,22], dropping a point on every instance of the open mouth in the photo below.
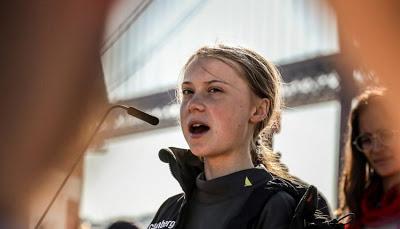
[198,128]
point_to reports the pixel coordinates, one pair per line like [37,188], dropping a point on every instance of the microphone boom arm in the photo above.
[131,111]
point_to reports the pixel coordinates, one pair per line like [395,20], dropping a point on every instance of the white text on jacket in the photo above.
[162,224]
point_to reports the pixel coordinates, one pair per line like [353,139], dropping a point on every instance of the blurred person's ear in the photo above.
[51,91]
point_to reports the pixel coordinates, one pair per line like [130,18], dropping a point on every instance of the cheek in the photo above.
[396,155]
[396,148]
[182,117]
[242,113]
[231,121]
[182,111]
[367,155]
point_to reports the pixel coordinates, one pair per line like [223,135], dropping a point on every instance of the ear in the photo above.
[261,111]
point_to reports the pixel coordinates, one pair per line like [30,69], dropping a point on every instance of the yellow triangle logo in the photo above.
[247,182]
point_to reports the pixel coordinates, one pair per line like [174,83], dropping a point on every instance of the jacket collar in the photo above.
[184,166]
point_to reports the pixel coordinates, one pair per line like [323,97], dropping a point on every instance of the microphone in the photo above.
[141,115]
[131,111]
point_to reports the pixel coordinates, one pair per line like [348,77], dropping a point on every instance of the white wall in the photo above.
[129,179]
[309,143]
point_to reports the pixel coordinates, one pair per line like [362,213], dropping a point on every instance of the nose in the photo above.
[377,145]
[196,103]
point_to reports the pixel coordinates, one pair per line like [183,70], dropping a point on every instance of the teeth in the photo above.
[196,125]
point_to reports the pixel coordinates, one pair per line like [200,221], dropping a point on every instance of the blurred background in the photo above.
[65,62]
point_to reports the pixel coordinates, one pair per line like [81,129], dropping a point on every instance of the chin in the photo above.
[201,151]
[198,152]
[387,172]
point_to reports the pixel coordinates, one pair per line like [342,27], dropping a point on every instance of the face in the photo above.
[384,158]
[216,108]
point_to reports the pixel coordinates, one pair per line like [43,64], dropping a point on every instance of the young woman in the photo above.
[371,176]
[230,100]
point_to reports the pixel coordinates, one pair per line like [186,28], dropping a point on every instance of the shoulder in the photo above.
[169,208]
[278,211]
[281,201]
[172,201]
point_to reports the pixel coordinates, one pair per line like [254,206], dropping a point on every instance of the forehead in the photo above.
[207,68]
[375,117]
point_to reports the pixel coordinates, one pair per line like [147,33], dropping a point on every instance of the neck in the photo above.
[226,163]
[391,181]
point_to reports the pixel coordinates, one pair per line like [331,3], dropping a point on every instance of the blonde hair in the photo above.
[264,80]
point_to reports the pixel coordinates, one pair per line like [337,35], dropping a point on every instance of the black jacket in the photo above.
[185,167]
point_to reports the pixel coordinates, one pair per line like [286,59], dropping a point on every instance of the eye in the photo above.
[187,91]
[214,90]
[387,137]
[386,134]
[365,140]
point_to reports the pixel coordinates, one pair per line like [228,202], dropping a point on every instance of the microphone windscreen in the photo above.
[143,116]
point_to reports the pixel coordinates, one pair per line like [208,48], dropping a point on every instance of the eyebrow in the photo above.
[208,82]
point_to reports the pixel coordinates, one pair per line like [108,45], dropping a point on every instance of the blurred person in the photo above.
[370,182]
[230,102]
[123,225]
[52,92]
[369,35]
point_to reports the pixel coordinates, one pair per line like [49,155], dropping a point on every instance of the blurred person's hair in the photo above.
[357,173]
[264,80]
[123,225]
